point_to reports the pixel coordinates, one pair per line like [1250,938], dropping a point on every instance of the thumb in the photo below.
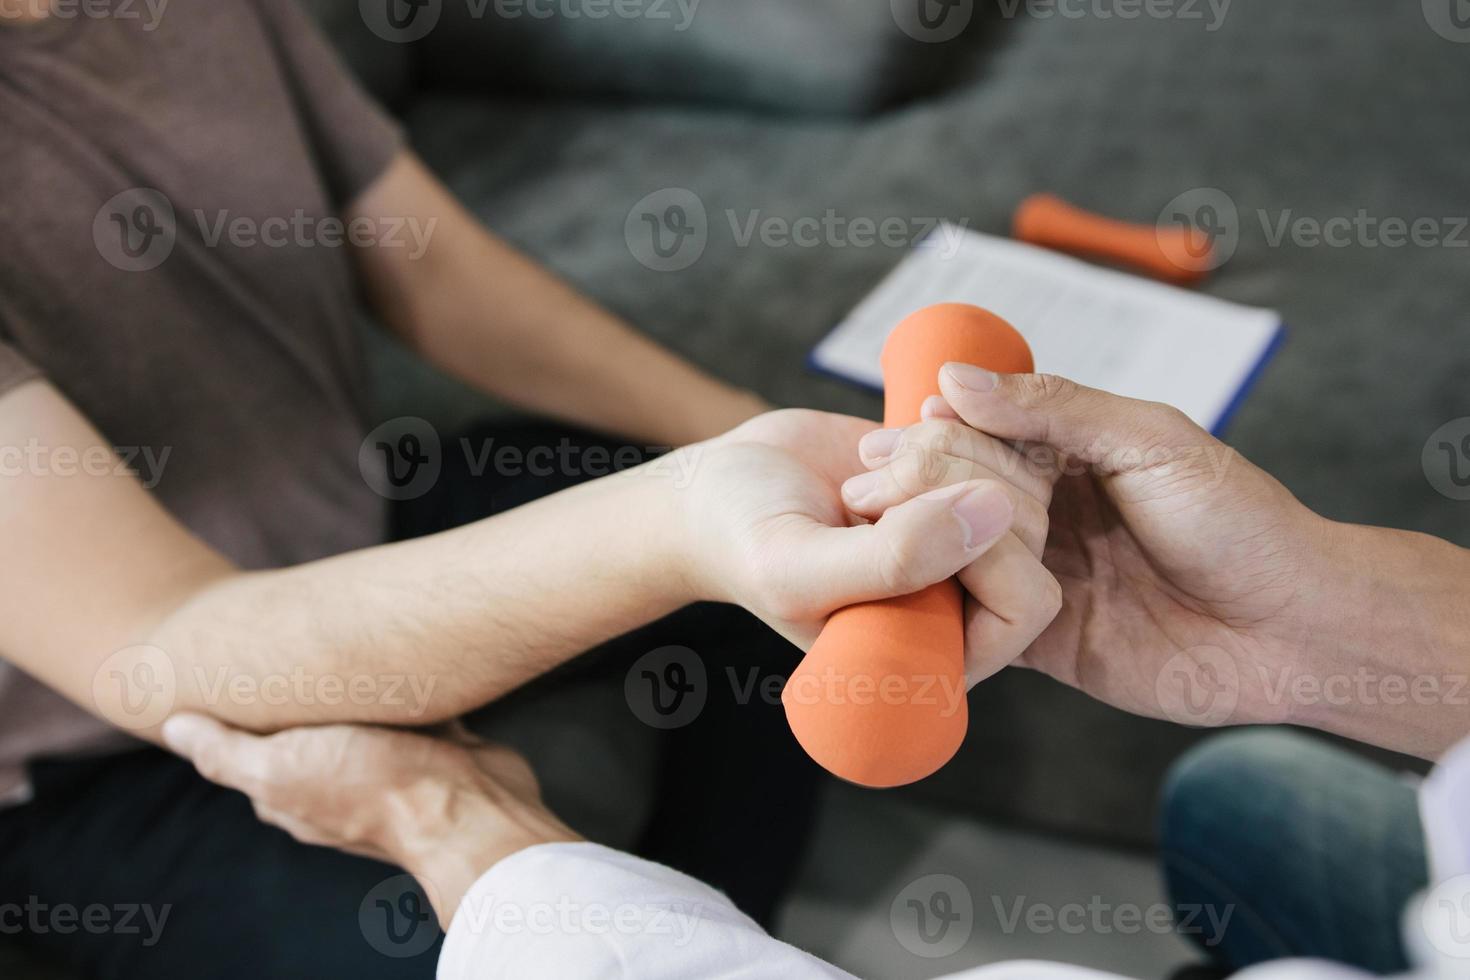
[1091,425]
[220,753]
[922,541]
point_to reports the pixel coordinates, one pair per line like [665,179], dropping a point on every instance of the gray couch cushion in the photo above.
[824,56]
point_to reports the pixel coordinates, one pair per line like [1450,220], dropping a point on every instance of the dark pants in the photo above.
[1297,847]
[132,866]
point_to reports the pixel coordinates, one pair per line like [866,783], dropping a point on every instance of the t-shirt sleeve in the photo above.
[353,137]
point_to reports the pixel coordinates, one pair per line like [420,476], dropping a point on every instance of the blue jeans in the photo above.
[1310,850]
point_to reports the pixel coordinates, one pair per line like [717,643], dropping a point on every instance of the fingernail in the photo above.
[879,444]
[986,513]
[971,377]
[935,407]
[861,486]
[182,731]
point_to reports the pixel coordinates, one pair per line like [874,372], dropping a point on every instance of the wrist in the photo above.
[673,501]
[447,834]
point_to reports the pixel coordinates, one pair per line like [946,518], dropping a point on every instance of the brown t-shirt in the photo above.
[132,150]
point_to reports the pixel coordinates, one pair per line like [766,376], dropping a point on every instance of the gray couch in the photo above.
[553,131]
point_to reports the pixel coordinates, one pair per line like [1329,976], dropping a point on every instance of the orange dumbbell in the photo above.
[879,699]
[1179,255]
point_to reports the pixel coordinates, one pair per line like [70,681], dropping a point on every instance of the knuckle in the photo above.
[1051,389]
[911,470]
[935,435]
[926,468]
[1171,418]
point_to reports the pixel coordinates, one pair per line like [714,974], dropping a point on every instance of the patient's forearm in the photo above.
[424,630]
[479,309]
[512,329]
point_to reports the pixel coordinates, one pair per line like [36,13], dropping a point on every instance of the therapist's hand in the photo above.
[445,809]
[1188,576]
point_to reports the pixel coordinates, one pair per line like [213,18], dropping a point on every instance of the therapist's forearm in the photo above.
[424,630]
[1386,659]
